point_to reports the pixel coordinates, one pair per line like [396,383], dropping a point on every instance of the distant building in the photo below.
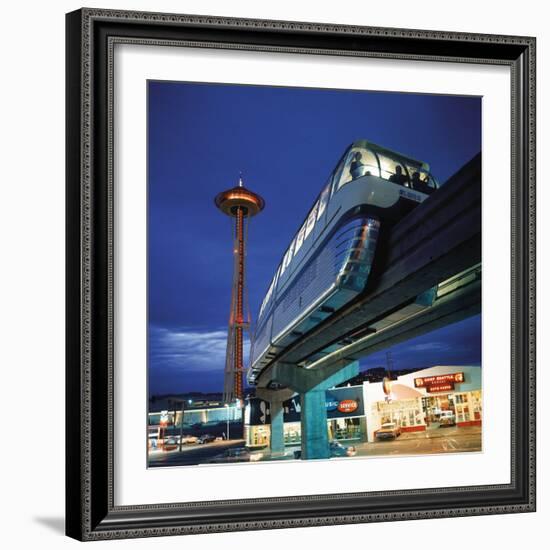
[204,416]
[193,400]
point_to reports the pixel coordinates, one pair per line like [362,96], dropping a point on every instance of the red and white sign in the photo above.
[439,383]
[434,388]
[347,406]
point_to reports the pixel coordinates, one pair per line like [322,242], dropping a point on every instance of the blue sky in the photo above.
[286,142]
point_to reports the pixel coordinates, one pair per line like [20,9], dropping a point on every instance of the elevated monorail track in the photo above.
[438,240]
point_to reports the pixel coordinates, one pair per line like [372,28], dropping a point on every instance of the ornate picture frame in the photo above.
[91,335]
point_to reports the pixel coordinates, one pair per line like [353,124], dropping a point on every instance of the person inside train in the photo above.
[416,182]
[398,177]
[356,167]
[427,185]
[421,185]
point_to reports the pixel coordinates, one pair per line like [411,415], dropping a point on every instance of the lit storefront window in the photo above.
[406,413]
[292,433]
[467,407]
[347,429]
[257,436]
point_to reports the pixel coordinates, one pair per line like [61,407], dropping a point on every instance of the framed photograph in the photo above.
[300,274]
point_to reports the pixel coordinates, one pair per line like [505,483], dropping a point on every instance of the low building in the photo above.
[345,418]
[220,421]
[416,401]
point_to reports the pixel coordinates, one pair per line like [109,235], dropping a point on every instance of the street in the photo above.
[432,441]
[191,454]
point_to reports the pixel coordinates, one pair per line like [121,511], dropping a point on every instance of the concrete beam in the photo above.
[267,394]
[449,309]
[444,312]
[302,380]
[311,384]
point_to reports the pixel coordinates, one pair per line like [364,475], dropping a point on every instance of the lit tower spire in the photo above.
[240,204]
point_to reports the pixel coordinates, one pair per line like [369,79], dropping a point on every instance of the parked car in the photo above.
[206,438]
[170,443]
[189,439]
[447,418]
[388,430]
[239,454]
[336,449]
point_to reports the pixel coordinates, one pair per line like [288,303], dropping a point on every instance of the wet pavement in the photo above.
[192,454]
[436,440]
[432,441]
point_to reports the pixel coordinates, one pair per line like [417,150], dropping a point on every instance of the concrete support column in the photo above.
[277,438]
[311,384]
[314,425]
[276,398]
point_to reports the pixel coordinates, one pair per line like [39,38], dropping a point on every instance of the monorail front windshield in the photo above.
[364,160]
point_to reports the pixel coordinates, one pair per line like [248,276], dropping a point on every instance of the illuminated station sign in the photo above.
[439,383]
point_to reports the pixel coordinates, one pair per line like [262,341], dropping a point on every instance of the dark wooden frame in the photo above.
[91,35]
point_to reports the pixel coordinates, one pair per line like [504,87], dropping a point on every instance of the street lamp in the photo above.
[227,418]
[239,408]
[181,421]
[181,424]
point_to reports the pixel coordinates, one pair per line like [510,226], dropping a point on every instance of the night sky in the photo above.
[286,142]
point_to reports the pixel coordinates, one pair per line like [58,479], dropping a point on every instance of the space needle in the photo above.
[241,204]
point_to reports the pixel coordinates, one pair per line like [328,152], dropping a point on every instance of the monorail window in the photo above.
[338,175]
[323,199]
[393,170]
[269,292]
[306,228]
[310,221]
[300,238]
[421,180]
[359,162]
[288,257]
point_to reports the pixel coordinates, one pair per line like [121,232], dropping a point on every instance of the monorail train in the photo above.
[329,260]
